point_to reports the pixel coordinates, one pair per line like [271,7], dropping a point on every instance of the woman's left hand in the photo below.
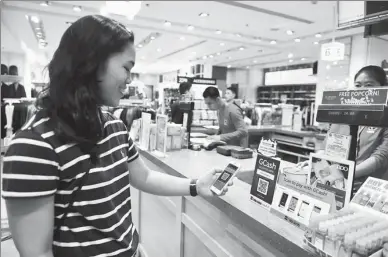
[205,182]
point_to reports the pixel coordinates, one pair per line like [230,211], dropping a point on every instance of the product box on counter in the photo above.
[358,230]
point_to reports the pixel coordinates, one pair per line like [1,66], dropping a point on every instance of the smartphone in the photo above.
[283,200]
[222,181]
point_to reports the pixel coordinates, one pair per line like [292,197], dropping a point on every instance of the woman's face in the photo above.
[115,75]
[364,80]
[229,95]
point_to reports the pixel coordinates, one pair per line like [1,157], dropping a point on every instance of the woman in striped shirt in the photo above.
[65,176]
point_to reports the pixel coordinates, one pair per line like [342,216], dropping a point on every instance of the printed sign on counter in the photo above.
[338,145]
[334,175]
[298,203]
[267,147]
[264,180]
[161,133]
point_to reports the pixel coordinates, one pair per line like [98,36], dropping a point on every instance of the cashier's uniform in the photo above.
[372,142]
[233,130]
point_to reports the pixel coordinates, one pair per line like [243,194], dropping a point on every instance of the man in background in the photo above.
[176,112]
[232,130]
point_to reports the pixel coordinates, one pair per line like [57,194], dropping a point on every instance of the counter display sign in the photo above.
[366,107]
[338,145]
[198,81]
[161,133]
[267,147]
[264,180]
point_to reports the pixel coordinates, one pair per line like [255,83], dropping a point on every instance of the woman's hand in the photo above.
[205,182]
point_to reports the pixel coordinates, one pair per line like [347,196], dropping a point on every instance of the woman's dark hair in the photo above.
[184,87]
[211,92]
[234,90]
[72,98]
[375,72]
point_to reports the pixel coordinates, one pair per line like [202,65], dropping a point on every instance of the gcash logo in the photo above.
[267,164]
[342,168]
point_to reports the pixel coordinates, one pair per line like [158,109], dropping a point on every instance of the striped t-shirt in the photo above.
[100,222]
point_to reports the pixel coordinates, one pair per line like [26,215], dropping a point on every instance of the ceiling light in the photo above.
[40,28]
[77,8]
[229,57]
[203,14]
[290,55]
[316,43]
[34,19]
[238,35]
[218,53]
[242,48]
[152,37]
[303,59]
[318,35]
[222,44]
[167,23]
[211,56]
[182,38]
[190,27]
[247,67]
[254,61]
[273,42]
[218,32]
[159,50]
[140,45]
[335,63]
[328,67]
[290,32]
[290,60]
[205,57]
[297,40]
[229,66]
[45,3]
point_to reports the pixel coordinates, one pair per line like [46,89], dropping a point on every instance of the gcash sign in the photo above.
[268,164]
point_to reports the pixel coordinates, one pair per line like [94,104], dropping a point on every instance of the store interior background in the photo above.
[233,42]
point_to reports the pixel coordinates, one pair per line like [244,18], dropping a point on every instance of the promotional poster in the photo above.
[334,175]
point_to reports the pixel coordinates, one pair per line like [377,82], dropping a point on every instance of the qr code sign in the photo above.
[262,186]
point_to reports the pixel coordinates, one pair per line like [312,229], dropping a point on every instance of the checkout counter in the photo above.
[231,225]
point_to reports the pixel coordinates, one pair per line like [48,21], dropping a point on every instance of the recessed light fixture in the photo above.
[303,59]
[205,57]
[290,55]
[45,3]
[241,48]
[140,45]
[35,19]
[211,56]
[218,32]
[190,27]
[229,57]
[328,67]
[222,44]
[77,8]
[290,60]
[273,42]
[297,40]
[254,61]
[335,63]
[167,23]
[182,38]
[290,32]
[152,38]
[318,35]
[238,35]
[159,50]
[316,43]
[218,53]
[247,67]
[229,66]
[203,14]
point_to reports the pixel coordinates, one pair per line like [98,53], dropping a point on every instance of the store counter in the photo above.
[230,225]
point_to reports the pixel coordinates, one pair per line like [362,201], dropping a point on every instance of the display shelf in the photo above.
[295,93]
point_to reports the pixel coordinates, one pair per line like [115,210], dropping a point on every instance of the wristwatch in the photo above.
[193,187]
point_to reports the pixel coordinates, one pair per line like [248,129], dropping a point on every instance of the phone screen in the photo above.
[225,176]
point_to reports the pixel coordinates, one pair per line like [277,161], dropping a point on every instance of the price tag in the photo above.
[333,51]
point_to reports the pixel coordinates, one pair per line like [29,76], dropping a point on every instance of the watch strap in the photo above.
[193,187]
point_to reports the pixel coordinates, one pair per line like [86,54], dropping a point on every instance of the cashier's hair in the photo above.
[71,98]
[375,72]
[184,87]
[234,90]
[211,92]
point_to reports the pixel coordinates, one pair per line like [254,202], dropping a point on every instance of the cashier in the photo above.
[372,145]
[232,130]
[230,95]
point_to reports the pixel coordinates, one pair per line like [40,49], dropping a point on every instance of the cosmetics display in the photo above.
[360,229]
